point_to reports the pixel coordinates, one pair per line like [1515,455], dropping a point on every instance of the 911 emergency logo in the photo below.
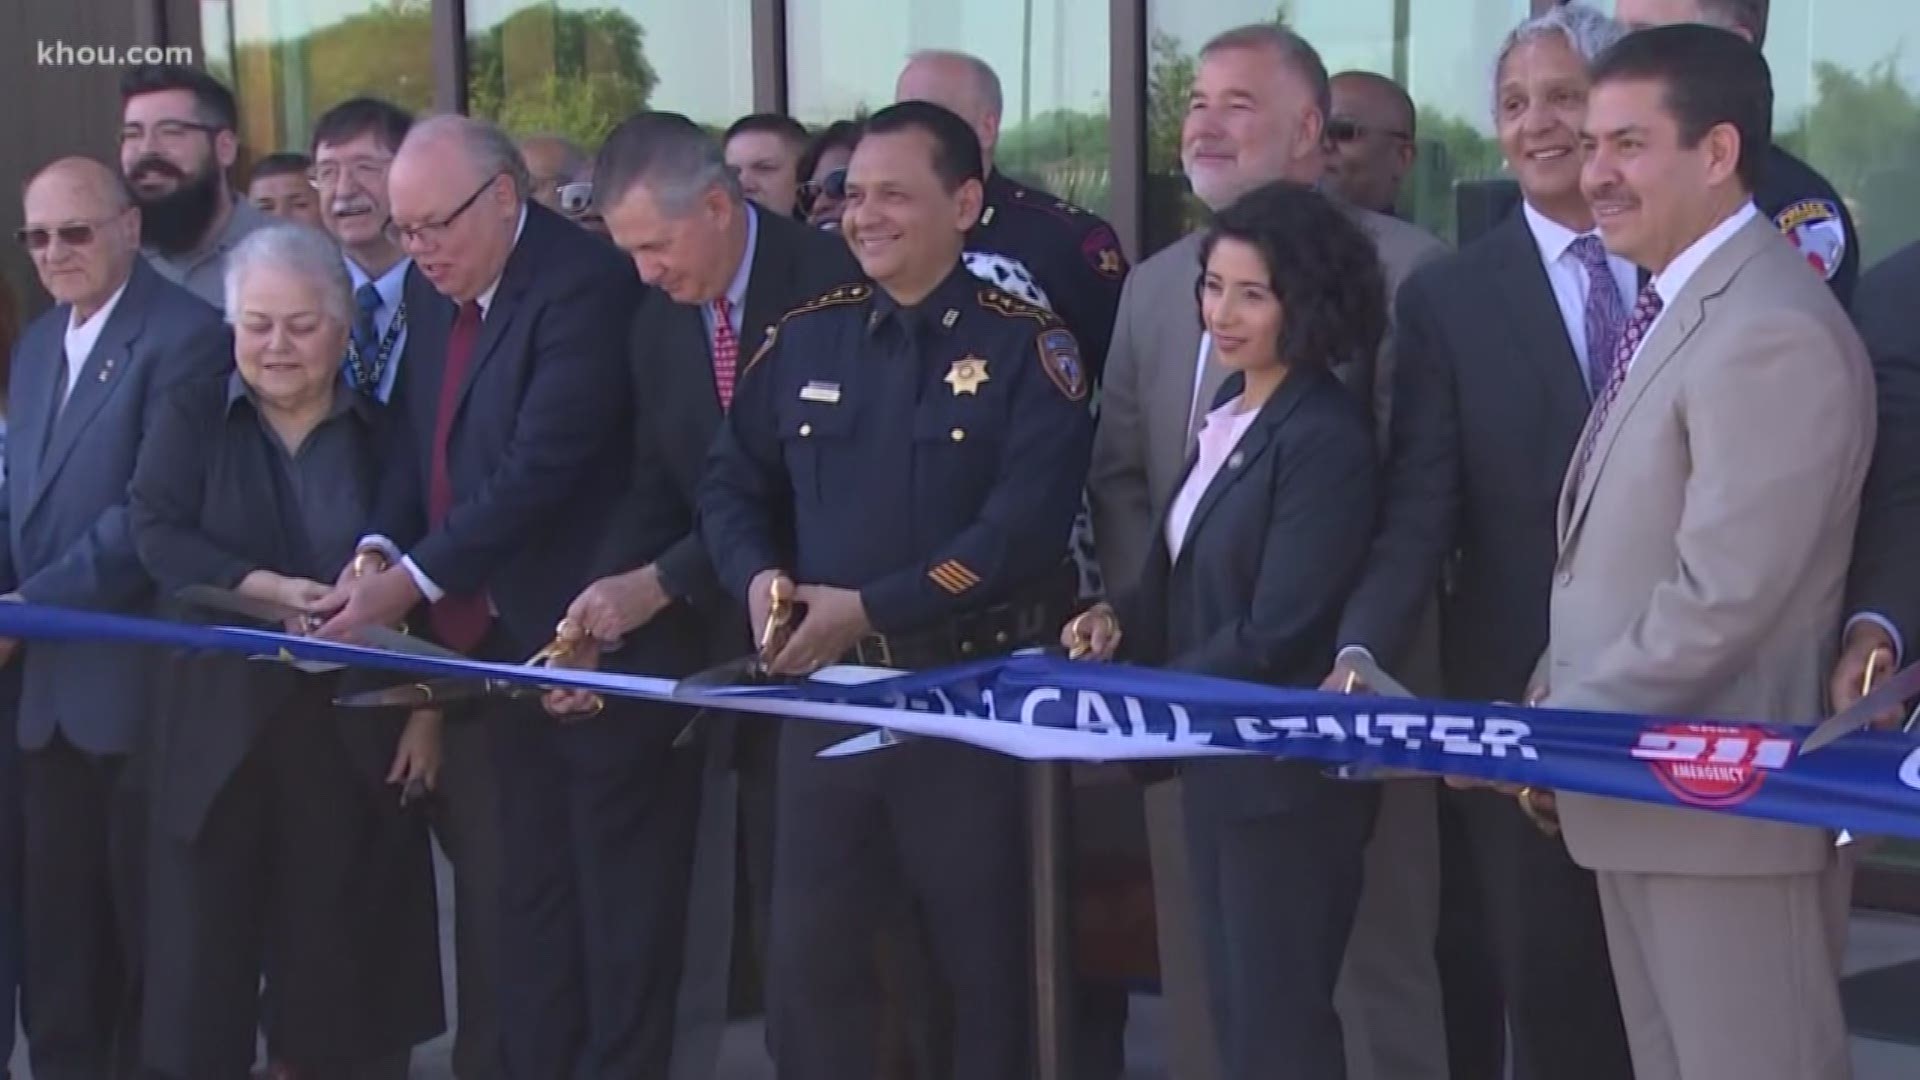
[1712,765]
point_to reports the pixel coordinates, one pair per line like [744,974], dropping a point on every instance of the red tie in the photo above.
[459,621]
[726,351]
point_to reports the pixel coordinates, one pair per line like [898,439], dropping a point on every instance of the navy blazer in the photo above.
[66,537]
[538,451]
[1272,551]
[677,414]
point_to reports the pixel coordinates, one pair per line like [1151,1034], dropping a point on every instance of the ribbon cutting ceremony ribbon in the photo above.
[1046,708]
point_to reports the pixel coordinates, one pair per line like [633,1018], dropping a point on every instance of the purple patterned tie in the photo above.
[1604,314]
[1645,309]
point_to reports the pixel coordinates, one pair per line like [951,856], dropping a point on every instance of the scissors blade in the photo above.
[1891,694]
[745,671]
[381,637]
[1370,674]
[417,695]
[233,603]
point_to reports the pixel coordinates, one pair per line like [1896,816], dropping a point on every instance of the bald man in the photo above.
[86,376]
[1371,134]
[555,162]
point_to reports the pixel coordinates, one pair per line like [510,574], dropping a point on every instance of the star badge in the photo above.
[966,375]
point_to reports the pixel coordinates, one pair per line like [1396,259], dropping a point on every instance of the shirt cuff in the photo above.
[1355,651]
[427,588]
[1884,623]
[380,544]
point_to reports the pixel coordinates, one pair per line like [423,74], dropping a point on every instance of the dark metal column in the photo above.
[1049,815]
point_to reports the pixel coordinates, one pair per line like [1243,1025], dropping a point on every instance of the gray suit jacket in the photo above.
[64,537]
[1703,555]
[1140,447]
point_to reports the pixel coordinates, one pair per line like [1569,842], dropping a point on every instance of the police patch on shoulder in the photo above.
[1060,357]
[1817,231]
[1101,249]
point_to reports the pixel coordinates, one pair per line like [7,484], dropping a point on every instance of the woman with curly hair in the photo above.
[1250,567]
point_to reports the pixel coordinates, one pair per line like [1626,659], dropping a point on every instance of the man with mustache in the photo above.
[177,141]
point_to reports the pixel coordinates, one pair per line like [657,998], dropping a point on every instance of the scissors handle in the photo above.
[779,611]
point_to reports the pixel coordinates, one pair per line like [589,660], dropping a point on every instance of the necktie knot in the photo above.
[367,298]
[723,307]
[469,313]
[1590,251]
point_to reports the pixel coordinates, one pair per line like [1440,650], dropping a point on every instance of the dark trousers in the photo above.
[466,821]
[941,822]
[597,825]
[1274,896]
[84,918]
[307,872]
[1470,997]
[11,840]
[1549,946]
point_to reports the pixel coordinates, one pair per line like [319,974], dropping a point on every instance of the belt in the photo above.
[989,632]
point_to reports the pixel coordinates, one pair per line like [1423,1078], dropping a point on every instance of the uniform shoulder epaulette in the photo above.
[842,294]
[834,297]
[1002,302]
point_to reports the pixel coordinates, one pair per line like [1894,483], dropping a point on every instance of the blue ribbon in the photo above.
[1042,707]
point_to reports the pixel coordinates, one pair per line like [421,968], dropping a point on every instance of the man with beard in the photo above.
[177,141]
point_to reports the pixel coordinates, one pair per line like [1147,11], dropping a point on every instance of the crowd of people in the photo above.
[858,396]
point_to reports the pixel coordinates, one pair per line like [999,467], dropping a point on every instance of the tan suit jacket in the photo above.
[1703,555]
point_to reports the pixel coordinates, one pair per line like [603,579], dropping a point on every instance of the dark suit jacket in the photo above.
[1885,580]
[208,507]
[64,538]
[1490,402]
[1272,550]
[677,412]
[537,452]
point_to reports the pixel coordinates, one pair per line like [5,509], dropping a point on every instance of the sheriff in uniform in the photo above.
[909,450]
[1054,253]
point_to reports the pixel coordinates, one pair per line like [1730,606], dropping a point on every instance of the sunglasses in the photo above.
[1341,130]
[833,186]
[576,197]
[72,234]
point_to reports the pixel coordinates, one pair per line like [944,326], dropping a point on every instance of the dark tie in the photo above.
[1645,310]
[460,621]
[364,370]
[1605,313]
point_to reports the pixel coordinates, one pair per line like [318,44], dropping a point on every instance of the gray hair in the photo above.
[1586,31]
[676,160]
[986,80]
[1294,51]
[489,148]
[300,250]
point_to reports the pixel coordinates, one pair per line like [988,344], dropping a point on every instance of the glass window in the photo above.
[1846,99]
[579,67]
[1441,53]
[288,61]
[1051,56]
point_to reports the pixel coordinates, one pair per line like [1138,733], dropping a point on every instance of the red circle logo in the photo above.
[1706,765]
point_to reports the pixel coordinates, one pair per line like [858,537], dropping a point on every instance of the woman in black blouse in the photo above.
[1251,564]
[280,845]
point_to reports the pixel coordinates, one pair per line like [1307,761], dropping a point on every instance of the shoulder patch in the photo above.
[1101,249]
[844,294]
[1816,228]
[1060,359]
[1005,303]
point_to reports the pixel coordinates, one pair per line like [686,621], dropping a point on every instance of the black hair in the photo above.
[1709,77]
[786,127]
[213,101]
[347,121]
[1321,265]
[287,163]
[956,148]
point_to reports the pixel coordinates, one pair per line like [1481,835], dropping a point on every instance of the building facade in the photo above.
[1095,89]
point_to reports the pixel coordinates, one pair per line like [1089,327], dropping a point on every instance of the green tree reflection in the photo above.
[547,68]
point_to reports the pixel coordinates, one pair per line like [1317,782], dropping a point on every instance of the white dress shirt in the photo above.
[1219,434]
[1568,277]
[1681,269]
[81,338]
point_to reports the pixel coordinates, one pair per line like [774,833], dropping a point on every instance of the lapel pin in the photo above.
[1236,459]
[106,369]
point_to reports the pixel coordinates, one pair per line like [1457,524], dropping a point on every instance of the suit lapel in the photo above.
[1675,327]
[772,271]
[43,360]
[1252,446]
[515,278]
[1532,319]
[689,356]
[1178,346]
[102,376]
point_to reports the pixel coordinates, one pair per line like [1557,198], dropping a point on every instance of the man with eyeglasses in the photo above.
[1371,137]
[177,141]
[562,178]
[515,412]
[85,377]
